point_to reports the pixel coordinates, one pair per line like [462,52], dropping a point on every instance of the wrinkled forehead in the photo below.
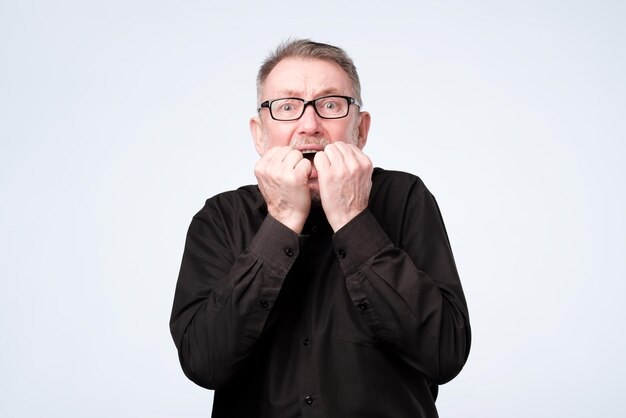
[306,78]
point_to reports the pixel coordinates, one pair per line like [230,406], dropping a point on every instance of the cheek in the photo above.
[277,135]
[351,133]
[355,132]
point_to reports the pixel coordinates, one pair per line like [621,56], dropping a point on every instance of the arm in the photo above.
[406,287]
[224,296]
[227,288]
[408,290]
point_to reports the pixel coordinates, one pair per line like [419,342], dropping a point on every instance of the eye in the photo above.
[331,106]
[286,106]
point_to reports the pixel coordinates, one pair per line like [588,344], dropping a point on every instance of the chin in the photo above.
[315,199]
[315,193]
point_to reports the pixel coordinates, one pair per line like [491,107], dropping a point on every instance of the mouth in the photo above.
[309,154]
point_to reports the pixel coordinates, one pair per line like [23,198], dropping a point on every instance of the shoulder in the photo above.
[242,200]
[392,181]
[396,192]
[396,201]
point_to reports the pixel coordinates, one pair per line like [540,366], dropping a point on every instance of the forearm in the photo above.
[420,313]
[424,321]
[219,315]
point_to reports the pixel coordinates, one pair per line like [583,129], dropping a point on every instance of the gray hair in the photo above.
[305,48]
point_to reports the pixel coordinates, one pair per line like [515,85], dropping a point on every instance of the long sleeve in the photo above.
[404,281]
[316,324]
[231,273]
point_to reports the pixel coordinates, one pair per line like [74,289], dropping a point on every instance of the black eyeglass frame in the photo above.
[268,104]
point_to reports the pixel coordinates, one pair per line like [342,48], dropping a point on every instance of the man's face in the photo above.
[308,79]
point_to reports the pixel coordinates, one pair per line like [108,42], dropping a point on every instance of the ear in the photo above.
[256,129]
[363,128]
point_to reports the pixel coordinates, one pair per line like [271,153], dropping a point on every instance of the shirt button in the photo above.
[288,252]
[265,304]
[363,306]
[306,341]
[341,253]
[314,228]
[308,400]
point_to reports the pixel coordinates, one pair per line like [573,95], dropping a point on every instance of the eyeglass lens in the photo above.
[331,107]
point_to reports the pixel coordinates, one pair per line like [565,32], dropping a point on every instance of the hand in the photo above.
[283,176]
[345,181]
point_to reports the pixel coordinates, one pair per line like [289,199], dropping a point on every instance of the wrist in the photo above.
[338,221]
[292,220]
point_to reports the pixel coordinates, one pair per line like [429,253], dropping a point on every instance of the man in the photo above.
[328,290]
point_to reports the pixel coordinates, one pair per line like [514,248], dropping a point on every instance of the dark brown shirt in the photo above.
[364,322]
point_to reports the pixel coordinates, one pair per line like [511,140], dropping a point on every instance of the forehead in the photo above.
[306,78]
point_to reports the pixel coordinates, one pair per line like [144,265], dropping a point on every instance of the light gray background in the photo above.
[119,118]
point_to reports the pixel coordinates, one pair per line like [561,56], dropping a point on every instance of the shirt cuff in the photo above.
[358,241]
[276,245]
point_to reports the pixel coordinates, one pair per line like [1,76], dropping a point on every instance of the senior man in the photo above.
[329,289]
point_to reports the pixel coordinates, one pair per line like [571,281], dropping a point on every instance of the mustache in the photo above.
[310,140]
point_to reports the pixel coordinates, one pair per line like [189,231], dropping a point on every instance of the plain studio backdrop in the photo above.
[119,118]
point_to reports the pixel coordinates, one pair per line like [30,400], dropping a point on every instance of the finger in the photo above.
[292,158]
[345,148]
[268,159]
[275,154]
[282,153]
[334,154]
[303,168]
[350,151]
[322,163]
[358,153]
[350,155]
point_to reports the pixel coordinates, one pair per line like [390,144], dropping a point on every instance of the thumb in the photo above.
[303,168]
[322,163]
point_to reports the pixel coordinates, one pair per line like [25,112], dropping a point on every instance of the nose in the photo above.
[310,122]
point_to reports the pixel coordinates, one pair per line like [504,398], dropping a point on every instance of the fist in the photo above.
[283,177]
[345,181]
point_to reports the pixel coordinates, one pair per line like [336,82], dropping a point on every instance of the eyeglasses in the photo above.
[292,108]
